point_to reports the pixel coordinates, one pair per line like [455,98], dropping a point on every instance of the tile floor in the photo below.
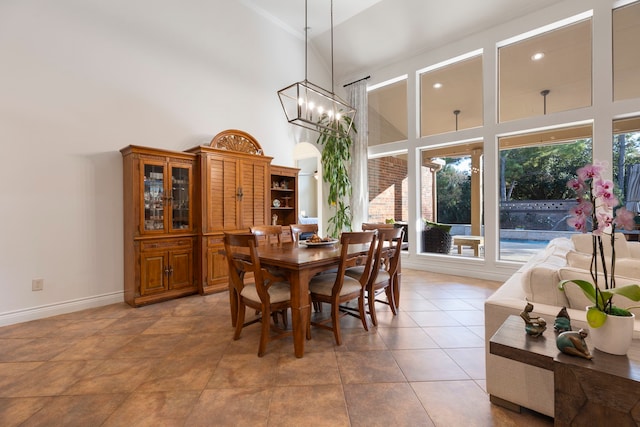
[175,364]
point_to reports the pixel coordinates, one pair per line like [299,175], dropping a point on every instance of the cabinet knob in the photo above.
[240,194]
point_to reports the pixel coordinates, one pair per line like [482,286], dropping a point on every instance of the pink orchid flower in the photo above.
[625,219]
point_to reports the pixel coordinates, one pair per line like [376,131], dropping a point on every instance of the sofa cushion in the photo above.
[627,267]
[540,274]
[579,301]
[583,243]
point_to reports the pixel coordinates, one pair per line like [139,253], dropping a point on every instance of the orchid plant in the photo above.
[597,202]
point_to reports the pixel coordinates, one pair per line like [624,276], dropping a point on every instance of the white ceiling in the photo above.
[369,34]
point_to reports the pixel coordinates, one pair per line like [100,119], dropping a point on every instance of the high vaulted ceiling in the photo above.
[369,34]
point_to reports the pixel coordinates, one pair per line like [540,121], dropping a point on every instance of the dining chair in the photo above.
[268,234]
[337,288]
[267,294]
[375,225]
[299,229]
[384,272]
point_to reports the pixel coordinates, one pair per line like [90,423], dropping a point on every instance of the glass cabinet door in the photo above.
[180,203]
[153,197]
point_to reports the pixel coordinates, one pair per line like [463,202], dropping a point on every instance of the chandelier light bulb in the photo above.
[300,101]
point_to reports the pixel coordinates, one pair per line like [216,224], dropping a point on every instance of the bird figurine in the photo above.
[563,321]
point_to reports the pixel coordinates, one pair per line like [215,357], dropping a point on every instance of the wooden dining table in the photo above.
[300,263]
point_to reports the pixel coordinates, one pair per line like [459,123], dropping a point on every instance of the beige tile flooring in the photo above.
[175,364]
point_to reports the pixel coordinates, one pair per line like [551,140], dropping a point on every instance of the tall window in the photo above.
[626,161]
[451,192]
[626,55]
[534,199]
[388,188]
[451,96]
[546,73]
[388,112]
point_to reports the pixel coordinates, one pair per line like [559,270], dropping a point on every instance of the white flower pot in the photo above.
[614,336]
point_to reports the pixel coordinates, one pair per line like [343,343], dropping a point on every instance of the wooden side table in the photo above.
[473,241]
[601,391]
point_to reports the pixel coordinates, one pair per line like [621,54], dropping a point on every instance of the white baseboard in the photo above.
[34,313]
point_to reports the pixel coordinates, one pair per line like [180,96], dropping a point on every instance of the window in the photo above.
[388,112]
[546,73]
[451,192]
[626,161]
[451,97]
[534,198]
[626,33]
[388,188]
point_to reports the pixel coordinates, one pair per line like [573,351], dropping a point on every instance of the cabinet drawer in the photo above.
[166,244]
[215,241]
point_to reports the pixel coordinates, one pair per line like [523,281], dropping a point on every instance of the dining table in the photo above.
[299,262]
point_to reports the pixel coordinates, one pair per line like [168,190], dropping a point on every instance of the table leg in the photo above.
[459,248]
[475,248]
[300,309]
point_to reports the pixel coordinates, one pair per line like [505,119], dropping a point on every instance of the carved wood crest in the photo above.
[236,140]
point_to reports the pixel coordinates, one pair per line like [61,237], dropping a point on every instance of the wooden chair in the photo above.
[384,273]
[337,288]
[375,226]
[268,234]
[268,294]
[297,229]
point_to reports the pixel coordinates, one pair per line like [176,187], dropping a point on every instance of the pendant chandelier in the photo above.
[310,106]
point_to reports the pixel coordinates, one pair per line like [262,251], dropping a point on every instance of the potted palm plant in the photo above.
[597,203]
[336,158]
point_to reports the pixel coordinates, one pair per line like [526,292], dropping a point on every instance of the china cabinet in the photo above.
[159,231]
[233,176]
[284,190]
[178,205]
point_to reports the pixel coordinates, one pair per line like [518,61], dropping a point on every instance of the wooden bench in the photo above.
[472,241]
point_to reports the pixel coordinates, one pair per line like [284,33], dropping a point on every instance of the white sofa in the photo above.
[515,384]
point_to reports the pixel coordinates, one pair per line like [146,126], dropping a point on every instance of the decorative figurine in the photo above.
[274,219]
[563,321]
[573,343]
[533,325]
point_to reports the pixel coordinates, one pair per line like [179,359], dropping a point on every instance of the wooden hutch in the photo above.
[177,250]
[159,229]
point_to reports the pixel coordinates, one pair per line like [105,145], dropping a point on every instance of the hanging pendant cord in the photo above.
[332,89]
[306,30]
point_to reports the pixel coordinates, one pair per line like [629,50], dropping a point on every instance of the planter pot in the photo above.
[614,336]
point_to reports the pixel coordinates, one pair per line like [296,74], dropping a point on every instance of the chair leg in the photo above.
[391,298]
[372,306]
[335,319]
[264,334]
[239,321]
[363,314]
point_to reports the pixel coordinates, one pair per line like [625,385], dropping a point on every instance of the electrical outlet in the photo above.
[37,284]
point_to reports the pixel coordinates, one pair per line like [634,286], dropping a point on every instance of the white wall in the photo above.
[79,80]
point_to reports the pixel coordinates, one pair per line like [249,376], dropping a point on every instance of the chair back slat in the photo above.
[297,229]
[237,246]
[268,234]
[388,250]
[347,260]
